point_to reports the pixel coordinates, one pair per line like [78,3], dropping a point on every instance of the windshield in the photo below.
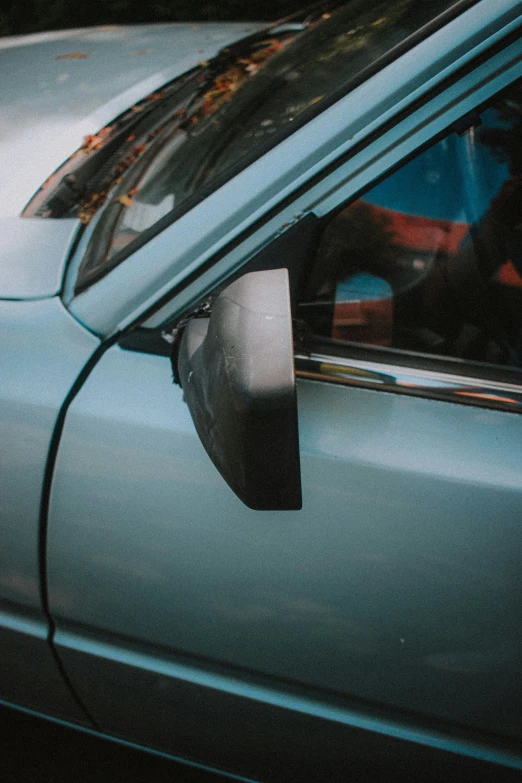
[258,98]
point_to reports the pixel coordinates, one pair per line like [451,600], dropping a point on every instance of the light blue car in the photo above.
[301,560]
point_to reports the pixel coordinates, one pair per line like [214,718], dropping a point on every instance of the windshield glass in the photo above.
[257,98]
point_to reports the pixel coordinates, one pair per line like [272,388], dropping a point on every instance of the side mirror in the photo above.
[237,372]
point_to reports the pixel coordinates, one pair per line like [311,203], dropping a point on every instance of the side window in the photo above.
[430,259]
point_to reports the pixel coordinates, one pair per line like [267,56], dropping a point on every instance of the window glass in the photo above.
[430,259]
[242,107]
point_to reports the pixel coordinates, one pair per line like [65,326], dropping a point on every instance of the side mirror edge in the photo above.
[237,373]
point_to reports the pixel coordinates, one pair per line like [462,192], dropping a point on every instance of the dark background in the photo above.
[28,16]
[33,750]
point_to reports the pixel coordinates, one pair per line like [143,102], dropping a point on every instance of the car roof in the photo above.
[58,87]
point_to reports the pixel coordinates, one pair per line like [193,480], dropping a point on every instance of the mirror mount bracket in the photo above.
[203,310]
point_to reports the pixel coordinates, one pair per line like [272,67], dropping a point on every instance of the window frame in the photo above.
[453,10]
[418,380]
[354,364]
[410,371]
[386,369]
[291,178]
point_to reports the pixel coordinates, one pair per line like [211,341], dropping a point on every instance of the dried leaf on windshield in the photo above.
[94,141]
[126,200]
[124,164]
[228,82]
[91,202]
[72,56]
[214,94]
[363,34]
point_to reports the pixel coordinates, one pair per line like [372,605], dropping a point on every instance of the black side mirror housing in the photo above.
[237,372]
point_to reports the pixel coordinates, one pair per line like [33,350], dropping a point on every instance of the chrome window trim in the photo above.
[417,382]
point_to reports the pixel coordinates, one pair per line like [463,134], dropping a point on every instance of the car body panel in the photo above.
[360,593]
[263,729]
[40,361]
[359,598]
[59,87]
[33,256]
[29,675]
[156,267]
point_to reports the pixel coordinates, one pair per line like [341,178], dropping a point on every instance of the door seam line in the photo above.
[45,499]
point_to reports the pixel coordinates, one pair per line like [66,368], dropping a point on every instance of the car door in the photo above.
[380,621]
[43,350]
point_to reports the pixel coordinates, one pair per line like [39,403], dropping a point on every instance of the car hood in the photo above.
[58,87]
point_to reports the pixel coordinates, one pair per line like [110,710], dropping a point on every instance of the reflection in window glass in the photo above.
[430,259]
[249,104]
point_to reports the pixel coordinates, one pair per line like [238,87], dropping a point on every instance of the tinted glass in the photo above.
[259,98]
[430,259]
